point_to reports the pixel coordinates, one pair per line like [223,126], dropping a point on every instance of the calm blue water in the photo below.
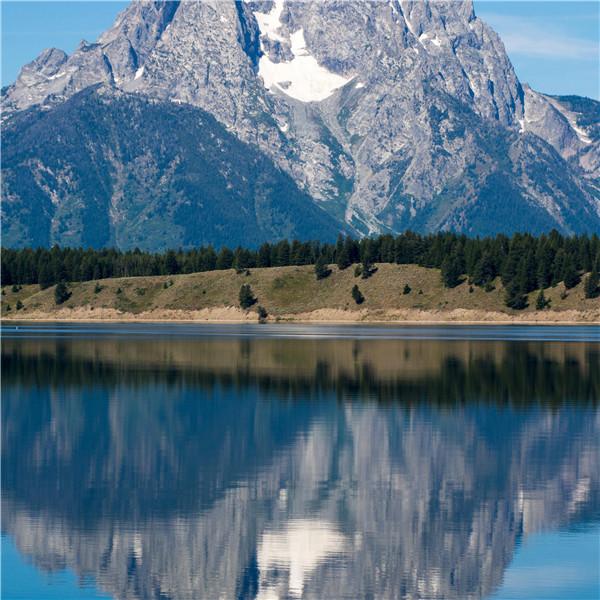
[188,462]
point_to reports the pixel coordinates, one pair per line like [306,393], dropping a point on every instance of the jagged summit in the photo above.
[389,114]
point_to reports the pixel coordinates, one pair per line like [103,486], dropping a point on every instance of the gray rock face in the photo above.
[391,114]
[554,120]
[113,59]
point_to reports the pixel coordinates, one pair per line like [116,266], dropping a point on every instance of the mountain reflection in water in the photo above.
[223,468]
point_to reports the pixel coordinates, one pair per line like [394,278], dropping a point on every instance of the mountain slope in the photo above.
[391,115]
[111,169]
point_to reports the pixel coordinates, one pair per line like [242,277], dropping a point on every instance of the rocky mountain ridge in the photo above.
[390,115]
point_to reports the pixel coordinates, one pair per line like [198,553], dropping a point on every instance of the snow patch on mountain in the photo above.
[269,23]
[302,78]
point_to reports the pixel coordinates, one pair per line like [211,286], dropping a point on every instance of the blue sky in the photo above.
[554,45]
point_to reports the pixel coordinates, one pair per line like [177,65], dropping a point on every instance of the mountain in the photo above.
[387,115]
[122,170]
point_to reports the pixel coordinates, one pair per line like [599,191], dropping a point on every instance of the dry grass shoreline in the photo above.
[324,317]
[292,295]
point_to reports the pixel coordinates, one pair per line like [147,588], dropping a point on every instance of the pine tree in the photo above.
[521,279]
[515,297]
[541,302]
[407,289]
[19,305]
[343,259]
[262,314]
[208,259]
[264,255]
[282,254]
[246,296]
[322,269]
[339,246]
[451,272]
[484,270]
[243,259]
[357,295]
[558,266]
[367,268]
[45,275]
[544,266]
[511,262]
[592,285]
[352,249]
[570,274]
[61,293]
[171,264]
[224,259]
[305,254]
[529,267]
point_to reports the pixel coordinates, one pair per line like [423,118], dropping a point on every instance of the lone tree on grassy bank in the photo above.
[407,289]
[262,314]
[592,285]
[451,271]
[247,298]
[367,269]
[542,302]
[322,269]
[515,298]
[357,295]
[61,293]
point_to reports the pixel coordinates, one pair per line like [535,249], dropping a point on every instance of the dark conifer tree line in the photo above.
[523,262]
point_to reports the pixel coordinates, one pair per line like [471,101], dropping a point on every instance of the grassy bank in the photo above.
[293,293]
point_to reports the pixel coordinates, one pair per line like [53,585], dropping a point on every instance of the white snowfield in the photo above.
[301,78]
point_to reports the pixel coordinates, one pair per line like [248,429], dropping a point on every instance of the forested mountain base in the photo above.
[391,293]
[522,263]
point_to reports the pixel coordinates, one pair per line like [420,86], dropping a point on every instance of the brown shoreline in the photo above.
[234,315]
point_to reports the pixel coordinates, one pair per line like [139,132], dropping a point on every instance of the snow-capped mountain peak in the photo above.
[391,115]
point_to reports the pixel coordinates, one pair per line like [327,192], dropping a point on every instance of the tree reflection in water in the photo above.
[325,468]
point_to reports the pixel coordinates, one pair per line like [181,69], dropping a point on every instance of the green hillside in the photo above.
[285,292]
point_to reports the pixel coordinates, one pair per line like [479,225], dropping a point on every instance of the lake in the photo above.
[146,461]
